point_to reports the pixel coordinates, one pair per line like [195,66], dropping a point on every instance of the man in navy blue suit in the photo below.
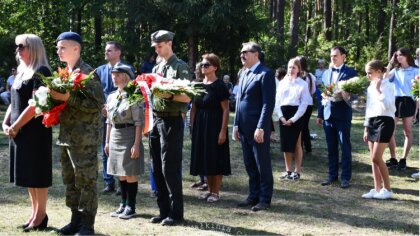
[336,119]
[252,125]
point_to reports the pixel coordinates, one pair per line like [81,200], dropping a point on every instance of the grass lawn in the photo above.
[303,207]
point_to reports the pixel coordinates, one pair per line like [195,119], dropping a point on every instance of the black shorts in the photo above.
[380,129]
[406,107]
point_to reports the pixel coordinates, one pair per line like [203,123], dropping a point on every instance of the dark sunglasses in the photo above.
[20,46]
[246,51]
[205,65]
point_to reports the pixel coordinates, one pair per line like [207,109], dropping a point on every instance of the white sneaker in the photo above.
[370,194]
[383,194]
[415,175]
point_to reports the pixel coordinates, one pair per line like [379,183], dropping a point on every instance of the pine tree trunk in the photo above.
[294,28]
[280,6]
[380,27]
[391,38]
[327,19]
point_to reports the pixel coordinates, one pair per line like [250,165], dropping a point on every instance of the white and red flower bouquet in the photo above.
[60,81]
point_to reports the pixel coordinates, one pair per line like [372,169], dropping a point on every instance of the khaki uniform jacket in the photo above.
[174,68]
[80,121]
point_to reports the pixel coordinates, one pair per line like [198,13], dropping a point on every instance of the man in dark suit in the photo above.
[336,119]
[254,108]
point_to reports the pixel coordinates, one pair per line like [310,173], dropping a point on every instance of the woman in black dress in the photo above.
[30,141]
[209,120]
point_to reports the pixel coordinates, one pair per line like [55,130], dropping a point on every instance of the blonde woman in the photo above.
[30,141]
[292,98]
[379,127]
[123,144]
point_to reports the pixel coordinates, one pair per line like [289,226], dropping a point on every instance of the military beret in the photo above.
[161,36]
[70,36]
[121,68]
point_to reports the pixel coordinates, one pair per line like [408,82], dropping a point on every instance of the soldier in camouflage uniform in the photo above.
[166,137]
[80,127]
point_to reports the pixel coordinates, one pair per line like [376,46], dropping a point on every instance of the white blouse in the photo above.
[292,92]
[313,82]
[380,104]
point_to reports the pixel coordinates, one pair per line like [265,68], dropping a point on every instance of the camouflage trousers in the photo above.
[80,173]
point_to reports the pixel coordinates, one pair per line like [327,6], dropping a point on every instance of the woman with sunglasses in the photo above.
[30,141]
[209,121]
[402,76]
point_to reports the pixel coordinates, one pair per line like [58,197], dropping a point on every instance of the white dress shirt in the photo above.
[291,92]
[380,104]
[309,82]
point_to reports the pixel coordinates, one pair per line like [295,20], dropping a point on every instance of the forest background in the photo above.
[366,28]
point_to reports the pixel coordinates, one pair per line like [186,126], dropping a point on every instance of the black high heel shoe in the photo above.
[23,226]
[41,226]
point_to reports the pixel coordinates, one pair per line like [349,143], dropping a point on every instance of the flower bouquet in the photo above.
[175,87]
[60,81]
[355,86]
[415,88]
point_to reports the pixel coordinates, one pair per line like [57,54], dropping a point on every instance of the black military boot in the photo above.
[88,220]
[74,225]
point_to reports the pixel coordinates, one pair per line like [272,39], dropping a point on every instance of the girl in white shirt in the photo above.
[379,127]
[291,102]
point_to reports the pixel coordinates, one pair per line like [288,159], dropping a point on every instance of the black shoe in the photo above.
[41,226]
[108,188]
[248,203]
[70,229]
[157,219]
[23,226]
[260,207]
[85,231]
[345,184]
[329,181]
[402,165]
[118,192]
[392,163]
[168,221]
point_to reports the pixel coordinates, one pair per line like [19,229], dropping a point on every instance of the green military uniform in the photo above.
[174,68]
[166,141]
[80,127]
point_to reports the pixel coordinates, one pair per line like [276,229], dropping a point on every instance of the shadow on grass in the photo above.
[225,229]
[214,227]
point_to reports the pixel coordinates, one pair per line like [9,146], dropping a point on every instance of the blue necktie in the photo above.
[337,70]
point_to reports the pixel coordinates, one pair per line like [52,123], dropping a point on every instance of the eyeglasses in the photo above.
[205,65]
[246,52]
[20,47]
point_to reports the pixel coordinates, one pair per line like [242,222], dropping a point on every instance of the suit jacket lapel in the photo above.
[342,73]
[250,77]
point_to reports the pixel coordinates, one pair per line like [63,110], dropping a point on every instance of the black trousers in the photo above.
[306,138]
[166,142]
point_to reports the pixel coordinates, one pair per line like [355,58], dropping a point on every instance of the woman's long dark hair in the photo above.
[304,70]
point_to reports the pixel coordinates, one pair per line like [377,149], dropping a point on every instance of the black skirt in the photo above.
[406,107]
[380,129]
[290,134]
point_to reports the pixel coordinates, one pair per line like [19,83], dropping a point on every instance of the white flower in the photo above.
[42,102]
[31,102]
[38,111]
[57,81]
[182,82]
[42,93]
